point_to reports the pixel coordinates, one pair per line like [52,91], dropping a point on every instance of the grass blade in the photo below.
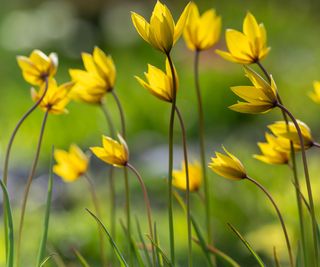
[145,249]
[46,260]
[123,262]
[246,243]
[81,259]
[43,243]
[158,254]
[160,250]
[10,225]
[133,246]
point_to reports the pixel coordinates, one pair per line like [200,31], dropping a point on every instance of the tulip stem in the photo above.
[294,170]
[316,144]
[202,147]
[308,183]
[185,153]
[8,151]
[96,204]
[125,171]
[111,173]
[28,185]
[147,203]
[279,215]
[171,127]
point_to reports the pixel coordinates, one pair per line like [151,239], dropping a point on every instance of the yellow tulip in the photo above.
[96,80]
[202,32]
[38,67]
[247,47]
[195,177]
[315,96]
[56,98]
[261,97]
[281,129]
[112,152]
[227,166]
[159,83]
[162,32]
[272,151]
[70,164]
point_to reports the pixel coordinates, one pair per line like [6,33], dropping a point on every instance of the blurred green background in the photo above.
[73,26]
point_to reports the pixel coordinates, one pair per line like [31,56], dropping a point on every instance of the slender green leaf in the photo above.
[10,225]
[160,250]
[43,242]
[123,262]
[156,240]
[202,241]
[80,258]
[246,243]
[147,256]
[133,246]
[46,260]
[220,254]
[276,259]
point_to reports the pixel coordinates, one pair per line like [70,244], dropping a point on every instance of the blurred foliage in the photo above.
[70,27]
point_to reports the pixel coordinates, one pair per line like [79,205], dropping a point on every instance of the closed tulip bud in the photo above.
[159,83]
[281,129]
[195,177]
[112,152]
[227,166]
[261,96]
[70,164]
[162,32]
[202,32]
[247,47]
[38,67]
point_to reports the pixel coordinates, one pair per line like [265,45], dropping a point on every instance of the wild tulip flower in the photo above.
[315,96]
[38,67]
[227,166]
[56,98]
[261,97]
[202,32]
[96,80]
[247,47]
[272,151]
[112,152]
[281,129]
[70,164]
[162,32]
[159,83]
[195,177]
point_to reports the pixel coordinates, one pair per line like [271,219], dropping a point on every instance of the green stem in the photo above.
[171,127]
[308,182]
[8,151]
[96,204]
[185,153]
[126,180]
[202,148]
[10,233]
[261,187]
[299,203]
[28,185]
[111,174]
[147,203]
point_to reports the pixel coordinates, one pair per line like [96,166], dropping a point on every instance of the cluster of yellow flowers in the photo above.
[200,32]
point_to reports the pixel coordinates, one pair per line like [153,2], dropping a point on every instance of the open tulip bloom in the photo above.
[98,78]
[247,47]
[260,97]
[162,32]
